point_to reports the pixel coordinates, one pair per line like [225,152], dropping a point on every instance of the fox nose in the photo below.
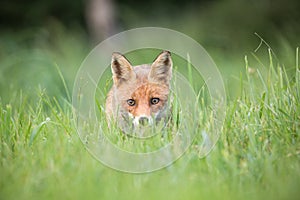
[143,121]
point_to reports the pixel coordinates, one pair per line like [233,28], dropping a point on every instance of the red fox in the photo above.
[140,94]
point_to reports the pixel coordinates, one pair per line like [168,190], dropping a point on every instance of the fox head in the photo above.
[140,93]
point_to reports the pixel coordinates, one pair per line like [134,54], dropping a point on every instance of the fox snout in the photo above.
[142,120]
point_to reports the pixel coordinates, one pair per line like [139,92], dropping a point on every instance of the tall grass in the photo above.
[256,157]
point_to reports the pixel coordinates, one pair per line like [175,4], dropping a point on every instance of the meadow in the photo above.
[256,157]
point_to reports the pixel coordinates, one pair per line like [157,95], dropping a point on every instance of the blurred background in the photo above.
[37,37]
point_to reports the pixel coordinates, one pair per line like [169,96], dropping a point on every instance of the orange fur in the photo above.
[144,86]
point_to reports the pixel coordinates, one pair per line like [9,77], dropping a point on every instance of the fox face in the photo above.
[139,95]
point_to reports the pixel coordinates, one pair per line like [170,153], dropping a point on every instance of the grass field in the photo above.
[42,157]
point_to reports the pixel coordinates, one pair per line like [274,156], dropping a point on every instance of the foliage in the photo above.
[256,157]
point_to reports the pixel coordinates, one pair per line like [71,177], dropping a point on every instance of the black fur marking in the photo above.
[118,69]
[166,61]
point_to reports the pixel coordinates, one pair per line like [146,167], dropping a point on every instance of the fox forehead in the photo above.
[140,83]
[143,90]
[142,69]
[142,73]
[150,90]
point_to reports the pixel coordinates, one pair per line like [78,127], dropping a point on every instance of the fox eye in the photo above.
[131,102]
[154,101]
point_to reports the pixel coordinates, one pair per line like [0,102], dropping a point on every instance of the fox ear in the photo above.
[161,69]
[121,69]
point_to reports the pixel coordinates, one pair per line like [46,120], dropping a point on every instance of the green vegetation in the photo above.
[42,157]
